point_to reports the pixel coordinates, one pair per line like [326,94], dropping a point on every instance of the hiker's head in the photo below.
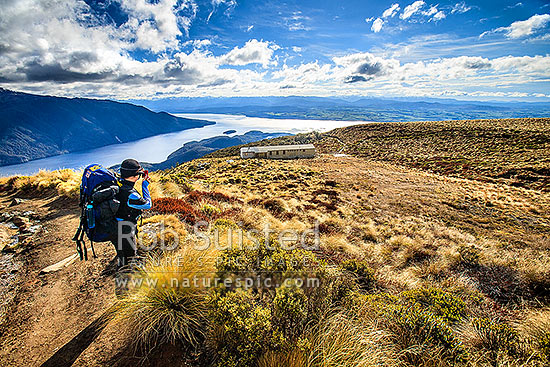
[131,170]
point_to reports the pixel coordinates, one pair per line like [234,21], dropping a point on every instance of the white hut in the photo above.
[279,151]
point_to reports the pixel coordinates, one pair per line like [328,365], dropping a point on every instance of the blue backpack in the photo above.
[98,192]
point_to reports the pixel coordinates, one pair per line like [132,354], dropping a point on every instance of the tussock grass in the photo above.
[163,307]
[535,329]
[441,255]
[65,182]
[339,340]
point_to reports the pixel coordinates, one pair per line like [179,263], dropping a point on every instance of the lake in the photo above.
[157,148]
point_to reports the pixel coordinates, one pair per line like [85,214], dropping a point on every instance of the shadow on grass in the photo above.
[500,283]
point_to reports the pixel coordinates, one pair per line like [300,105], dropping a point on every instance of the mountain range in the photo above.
[351,108]
[33,126]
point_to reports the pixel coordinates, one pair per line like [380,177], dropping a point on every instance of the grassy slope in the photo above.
[486,243]
[514,151]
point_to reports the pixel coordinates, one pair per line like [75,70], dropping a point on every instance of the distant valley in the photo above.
[33,127]
[351,109]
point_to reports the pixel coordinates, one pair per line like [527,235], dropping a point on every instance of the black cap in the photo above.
[129,168]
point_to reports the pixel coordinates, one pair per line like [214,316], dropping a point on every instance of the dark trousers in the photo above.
[125,244]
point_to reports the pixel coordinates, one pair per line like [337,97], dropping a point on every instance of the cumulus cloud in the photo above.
[156,26]
[412,9]
[391,11]
[67,48]
[363,67]
[413,13]
[70,44]
[71,39]
[377,25]
[355,78]
[455,76]
[253,52]
[523,28]
[304,74]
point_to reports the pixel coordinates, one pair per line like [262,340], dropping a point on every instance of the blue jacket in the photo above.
[131,202]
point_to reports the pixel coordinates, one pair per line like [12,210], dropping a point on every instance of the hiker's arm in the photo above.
[137,202]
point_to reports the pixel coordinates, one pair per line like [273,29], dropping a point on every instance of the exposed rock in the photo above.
[30,214]
[5,236]
[21,222]
[33,229]
[17,201]
[6,217]
[59,265]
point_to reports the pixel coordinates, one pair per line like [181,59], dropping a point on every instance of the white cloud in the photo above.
[296,21]
[157,25]
[520,4]
[412,9]
[362,67]
[304,74]
[62,48]
[434,14]
[377,25]
[439,15]
[431,11]
[230,6]
[198,44]
[253,52]
[368,20]
[523,28]
[391,11]
[460,8]
[526,65]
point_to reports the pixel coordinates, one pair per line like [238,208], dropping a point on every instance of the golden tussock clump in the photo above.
[167,299]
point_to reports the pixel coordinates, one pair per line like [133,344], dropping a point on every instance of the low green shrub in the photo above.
[544,346]
[469,255]
[210,210]
[443,304]
[225,223]
[414,326]
[282,295]
[417,328]
[496,336]
[290,306]
[245,328]
[360,269]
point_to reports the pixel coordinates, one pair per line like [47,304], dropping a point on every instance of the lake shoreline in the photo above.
[157,148]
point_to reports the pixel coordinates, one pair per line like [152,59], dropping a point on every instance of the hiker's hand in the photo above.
[146,176]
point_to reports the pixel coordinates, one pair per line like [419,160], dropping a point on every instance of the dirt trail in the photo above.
[51,309]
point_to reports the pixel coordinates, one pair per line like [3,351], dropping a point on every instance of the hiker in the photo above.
[131,206]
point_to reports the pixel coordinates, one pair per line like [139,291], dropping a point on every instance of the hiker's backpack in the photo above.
[98,192]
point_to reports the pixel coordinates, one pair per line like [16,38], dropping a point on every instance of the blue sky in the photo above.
[127,49]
